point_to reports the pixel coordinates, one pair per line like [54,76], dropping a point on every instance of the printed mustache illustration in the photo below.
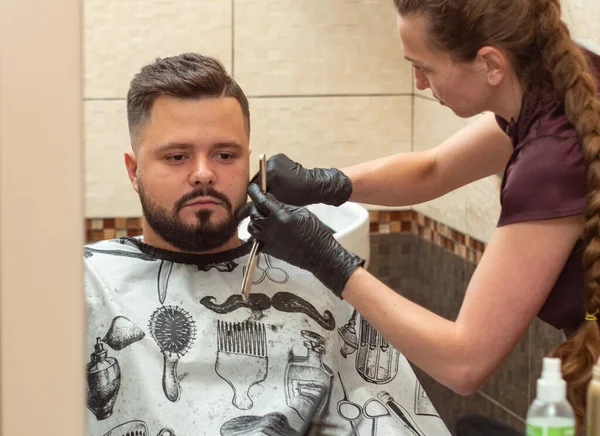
[282,301]
[235,302]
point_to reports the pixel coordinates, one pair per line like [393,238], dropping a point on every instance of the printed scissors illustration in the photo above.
[276,275]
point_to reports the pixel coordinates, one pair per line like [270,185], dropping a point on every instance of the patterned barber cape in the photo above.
[174,349]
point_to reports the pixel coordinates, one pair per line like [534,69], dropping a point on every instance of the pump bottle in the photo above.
[550,413]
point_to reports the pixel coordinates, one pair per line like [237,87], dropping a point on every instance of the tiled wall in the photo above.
[583,18]
[326,80]
[327,85]
[97,229]
[380,222]
[436,278]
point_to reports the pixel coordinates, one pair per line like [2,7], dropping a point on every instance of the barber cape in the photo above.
[174,349]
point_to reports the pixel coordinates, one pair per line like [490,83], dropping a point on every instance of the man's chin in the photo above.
[208,223]
[212,222]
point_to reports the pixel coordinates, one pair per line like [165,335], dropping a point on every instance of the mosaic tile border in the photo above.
[410,221]
[97,229]
[380,222]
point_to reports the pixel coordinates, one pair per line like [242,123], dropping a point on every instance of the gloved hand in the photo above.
[297,236]
[293,184]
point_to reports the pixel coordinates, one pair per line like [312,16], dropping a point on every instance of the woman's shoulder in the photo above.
[545,178]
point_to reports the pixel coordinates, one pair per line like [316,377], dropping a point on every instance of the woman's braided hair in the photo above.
[540,47]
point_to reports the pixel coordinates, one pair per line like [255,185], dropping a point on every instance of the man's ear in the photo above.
[495,62]
[131,165]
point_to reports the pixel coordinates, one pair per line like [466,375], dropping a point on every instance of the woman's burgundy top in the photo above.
[546,178]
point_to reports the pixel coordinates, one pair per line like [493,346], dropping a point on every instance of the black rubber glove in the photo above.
[295,235]
[293,184]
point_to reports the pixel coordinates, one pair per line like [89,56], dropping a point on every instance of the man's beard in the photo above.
[204,235]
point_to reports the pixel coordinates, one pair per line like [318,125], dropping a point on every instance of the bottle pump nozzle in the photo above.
[551,387]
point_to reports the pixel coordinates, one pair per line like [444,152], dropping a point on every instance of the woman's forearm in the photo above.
[478,150]
[398,180]
[426,339]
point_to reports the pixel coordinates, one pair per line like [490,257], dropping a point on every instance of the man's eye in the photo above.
[176,157]
[225,156]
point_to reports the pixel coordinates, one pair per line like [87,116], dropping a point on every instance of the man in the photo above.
[174,347]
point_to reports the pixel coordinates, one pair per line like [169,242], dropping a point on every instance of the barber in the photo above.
[518,63]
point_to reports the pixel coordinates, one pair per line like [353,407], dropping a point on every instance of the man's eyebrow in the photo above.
[185,146]
[173,146]
[228,145]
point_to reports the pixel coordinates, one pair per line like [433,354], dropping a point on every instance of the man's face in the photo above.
[191,171]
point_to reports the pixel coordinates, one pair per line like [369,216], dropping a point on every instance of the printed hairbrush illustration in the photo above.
[174,331]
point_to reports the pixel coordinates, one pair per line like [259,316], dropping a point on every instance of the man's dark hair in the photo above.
[188,76]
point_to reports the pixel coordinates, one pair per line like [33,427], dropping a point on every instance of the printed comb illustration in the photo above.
[242,359]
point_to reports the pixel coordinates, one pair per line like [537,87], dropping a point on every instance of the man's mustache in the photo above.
[204,191]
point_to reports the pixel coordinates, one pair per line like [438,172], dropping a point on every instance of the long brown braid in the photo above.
[539,44]
[575,84]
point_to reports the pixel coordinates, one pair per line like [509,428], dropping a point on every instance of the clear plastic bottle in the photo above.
[551,414]
[593,403]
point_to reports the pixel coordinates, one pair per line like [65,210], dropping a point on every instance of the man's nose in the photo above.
[202,172]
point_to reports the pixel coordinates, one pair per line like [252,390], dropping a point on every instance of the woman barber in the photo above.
[515,60]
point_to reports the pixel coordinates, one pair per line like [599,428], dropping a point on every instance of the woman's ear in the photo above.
[495,63]
[131,165]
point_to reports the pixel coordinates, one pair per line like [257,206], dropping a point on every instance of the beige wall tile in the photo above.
[426,93]
[483,207]
[448,209]
[108,192]
[583,19]
[330,131]
[123,35]
[291,47]
[434,123]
